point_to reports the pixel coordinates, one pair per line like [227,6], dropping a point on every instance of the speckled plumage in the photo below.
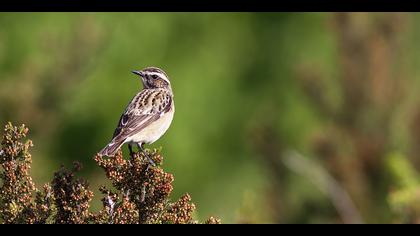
[148,115]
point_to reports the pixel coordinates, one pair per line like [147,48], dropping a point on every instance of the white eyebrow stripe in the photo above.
[161,75]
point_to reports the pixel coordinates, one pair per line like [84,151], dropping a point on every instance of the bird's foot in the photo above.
[130,150]
[151,161]
[140,146]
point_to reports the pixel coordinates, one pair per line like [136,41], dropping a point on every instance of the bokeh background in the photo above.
[280,117]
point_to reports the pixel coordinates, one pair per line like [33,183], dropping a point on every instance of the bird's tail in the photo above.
[111,148]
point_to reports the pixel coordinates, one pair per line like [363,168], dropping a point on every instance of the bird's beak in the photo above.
[138,72]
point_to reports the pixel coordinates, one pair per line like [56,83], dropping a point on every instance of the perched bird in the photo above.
[147,116]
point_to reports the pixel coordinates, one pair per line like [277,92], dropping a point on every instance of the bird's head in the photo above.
[153,77]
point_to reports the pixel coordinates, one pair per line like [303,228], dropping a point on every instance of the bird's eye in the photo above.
[154,76]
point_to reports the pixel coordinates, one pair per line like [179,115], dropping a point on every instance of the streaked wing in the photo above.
[145,108]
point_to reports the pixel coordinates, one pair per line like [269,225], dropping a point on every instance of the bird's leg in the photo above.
[140,146]
[130,149]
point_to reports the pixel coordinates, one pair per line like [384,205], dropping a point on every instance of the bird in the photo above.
[147,116]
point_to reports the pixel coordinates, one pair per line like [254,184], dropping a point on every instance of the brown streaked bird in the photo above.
[148,115]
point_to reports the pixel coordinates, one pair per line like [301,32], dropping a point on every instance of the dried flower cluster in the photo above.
[140,190]
[71,197]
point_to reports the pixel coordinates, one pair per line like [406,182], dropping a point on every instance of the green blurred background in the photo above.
[280,117]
